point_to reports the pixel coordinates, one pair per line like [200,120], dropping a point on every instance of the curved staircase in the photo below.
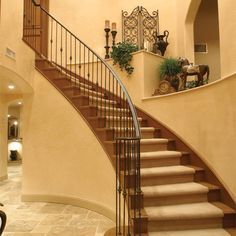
[179,194]
[177,198]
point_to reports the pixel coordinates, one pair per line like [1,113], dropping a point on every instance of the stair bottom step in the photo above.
[201,232]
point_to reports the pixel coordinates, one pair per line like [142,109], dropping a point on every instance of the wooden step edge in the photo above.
[31,35]
[61,78]
[41,59]
[74,86]
[50,68]
[196,168]
[209,185]
[226,209]
[231,231]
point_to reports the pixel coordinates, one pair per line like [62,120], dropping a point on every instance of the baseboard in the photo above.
[69,200]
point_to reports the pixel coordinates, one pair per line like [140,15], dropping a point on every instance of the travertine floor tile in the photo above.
[56,220]
[51,208]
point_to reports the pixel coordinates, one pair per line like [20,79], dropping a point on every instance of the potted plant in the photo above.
[169,70]
[121,54]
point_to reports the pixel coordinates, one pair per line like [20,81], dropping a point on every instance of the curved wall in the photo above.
[63,160]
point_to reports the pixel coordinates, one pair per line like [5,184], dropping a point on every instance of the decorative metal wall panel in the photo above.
[139,26]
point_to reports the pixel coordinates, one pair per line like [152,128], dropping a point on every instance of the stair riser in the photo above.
[172,179]
[156,147]
[51,74]
[103,123]
[83,101]
[89,111]
[103,112]
[174,200]
[160,162]
[80,101]
[119,123]
[147,134]
[42,63]
[100,102]
[61,82]
[183,224]
[153,147]
[154,163]
[229,220]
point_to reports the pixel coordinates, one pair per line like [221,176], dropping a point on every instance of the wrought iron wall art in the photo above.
[139,26]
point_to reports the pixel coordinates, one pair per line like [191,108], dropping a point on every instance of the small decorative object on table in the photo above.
[107,30]
[169,74]
[160,44]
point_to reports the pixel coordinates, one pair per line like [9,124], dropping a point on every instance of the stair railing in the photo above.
[107,95]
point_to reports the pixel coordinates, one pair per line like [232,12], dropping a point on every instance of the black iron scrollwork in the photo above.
[139,26]
[3,220]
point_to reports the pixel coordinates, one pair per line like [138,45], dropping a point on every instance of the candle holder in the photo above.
[113,33]
[107,47]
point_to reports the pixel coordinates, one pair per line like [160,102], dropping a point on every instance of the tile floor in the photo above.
[45,219]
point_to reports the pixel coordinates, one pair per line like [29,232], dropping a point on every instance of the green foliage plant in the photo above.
[121,54]
[169,67]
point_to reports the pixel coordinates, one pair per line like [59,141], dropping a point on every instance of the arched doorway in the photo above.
[206,37]
[14,91]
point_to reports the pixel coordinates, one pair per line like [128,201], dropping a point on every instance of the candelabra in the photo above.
[113,33]
[107,47]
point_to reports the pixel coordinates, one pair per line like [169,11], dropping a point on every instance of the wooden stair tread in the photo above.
[184,211]
[166,171]
[160,154]
[154,140]
[174,189]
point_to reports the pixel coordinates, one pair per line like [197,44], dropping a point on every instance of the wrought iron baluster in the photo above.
[75,66]
[51,40]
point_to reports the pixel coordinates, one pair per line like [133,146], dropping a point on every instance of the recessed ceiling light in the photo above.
[15,123]
[8,115]
[11,86]
[19,103]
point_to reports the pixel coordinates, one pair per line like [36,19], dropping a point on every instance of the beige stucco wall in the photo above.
[11,29]
[3,137]
[87,18]
[62,157]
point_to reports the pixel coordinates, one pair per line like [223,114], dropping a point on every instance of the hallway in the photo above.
[45,219]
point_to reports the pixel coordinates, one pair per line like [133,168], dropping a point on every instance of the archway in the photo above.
[13,88]
[206,37]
